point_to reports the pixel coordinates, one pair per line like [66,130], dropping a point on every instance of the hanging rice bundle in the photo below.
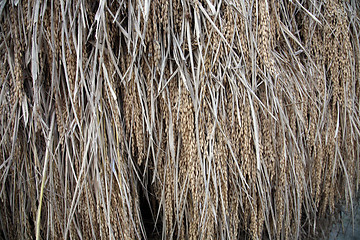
[177,119]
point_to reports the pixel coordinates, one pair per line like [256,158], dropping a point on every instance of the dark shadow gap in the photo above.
[148,208]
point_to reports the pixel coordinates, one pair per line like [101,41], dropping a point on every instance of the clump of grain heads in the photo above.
[177,119]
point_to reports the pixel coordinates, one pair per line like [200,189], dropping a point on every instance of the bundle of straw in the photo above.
[191,119]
